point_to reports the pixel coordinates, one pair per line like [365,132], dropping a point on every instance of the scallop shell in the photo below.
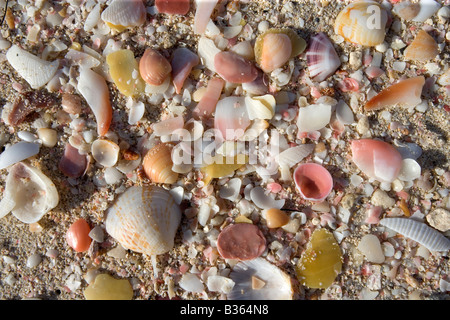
[432,239]
[18,152]
[105,152]
[423,48]
[154,67]
[121,14]
[144,219]
[313,181]
[36,71]
[362,22]
[158,164]
[29,194]
[322,58]
[258,279]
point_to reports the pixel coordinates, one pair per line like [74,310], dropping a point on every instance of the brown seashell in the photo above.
[154,67]
[234,68]
[423,48]
[158,164]
[276,218]
[71,103]
[242,241]
[28,103]
[72,163]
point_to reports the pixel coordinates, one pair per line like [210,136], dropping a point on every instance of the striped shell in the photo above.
[322,58]
[144,219]
[158,164]
[432,239]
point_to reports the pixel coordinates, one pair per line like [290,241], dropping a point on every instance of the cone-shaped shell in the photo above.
[362,22]
[322,58]
[154,67]
[406,93]
[144,219]
[158,164]
[313,181]
[423,48]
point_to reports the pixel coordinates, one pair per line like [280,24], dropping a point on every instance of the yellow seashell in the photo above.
[363,22]
[158,164]
[106,287]
[124,71]
[222,166]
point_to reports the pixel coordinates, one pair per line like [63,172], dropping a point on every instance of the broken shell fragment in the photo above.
[362,22]
[423,48]
[29,194]
[34,70]
[73,164]
[377,159]
[265,201]
[203,11]
[242,241]
[183,60]
[158,164]
[258,279]
[313,181]
[234,68]
[120,15]
[105,287]
[207,104]
[276,218]
[231,118]
[154,67]
[173,6]
[262,107]
[105,152]
[124,71]
[17,152]
[405,93]
[144,219]
[322,58]
[313,117]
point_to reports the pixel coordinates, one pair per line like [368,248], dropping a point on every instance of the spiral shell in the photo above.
[158,164]
[144,219]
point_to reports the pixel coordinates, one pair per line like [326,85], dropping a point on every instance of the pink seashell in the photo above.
[173,6]
[183,60]
[203,11]
[377,159]
[234,68]
[154,67]
[73,164]
[259,86]
[231,117]
[373,215]
[274,187]
[275,52]
[374,72]
[242,241]
[313,181]
[348,84]
[322,58]
[207,105]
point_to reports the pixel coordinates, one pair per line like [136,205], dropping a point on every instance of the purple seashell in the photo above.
[321,57]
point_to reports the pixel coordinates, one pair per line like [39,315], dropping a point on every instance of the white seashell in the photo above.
[427,9]
[371,248]
[93,18]
[231,117]
[18,152]
[257,127]
[105,152]
[410,171]
[29,194]
[444,80]
[144,219]
[191,283]
[27,136]
[432,239]
[258,279]
[262,107]
[178,194]
[207,51]
[35,71]
[263,200]
[220,284]
[151,89]
[344,113]
[112,175]
[203,11]
[313,117]
[231,189]
[290,157]
[82,59]
[136,111]
[128,13]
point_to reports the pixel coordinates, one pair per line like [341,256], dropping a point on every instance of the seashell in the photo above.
[313,182]
[17,152]
[427,9]
[244,49]
[49,137]
[120,15]
[173,6]
[136,111]
[410,170]
[82,59]
[71,103]
[158,164]
[231,189]
[124,70]
[291,156]
[29,194]
[259,86]
[231,118]
[207,51]
[404,93]
[154,67]
[168,126]
[106,287]
[423,48]
[321,262]
[144,219]
[275,218]
[27,104]
[95,91]
[183,60]
[362,22]
[406,10]
[265,201]
[275,47]
[193,130]
[258,279]
[203,11]
[72,163]
[430,238]
[34,70]
[234,68]
[221,166]
[256,128]
[377,159]
[77,236]
[322,58]
[241,241]
[313,117]
[207,104]
[105,152]
[444,80]
[262,107]
[344,113]
[370,247]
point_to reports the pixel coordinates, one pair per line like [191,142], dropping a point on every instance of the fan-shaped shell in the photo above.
[423,48]
[158,164]
[322,58]
[362,22]
[144,219]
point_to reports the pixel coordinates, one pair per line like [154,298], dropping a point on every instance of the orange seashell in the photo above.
[173,6]
[406,93]
[276,218]
[275,51]
[158,164]
[154,67]
[77,236]
[423,48]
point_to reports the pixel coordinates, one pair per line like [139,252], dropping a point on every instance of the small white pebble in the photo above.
[34,260]
[382,47]
[399,66]
[8,260]
[10,280]
[49,137]
[97,234]
[370,247]
[263,26]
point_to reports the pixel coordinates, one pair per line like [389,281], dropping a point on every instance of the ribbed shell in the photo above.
[144,219]
[322,58]
[432,239]
[158,164]
[125,13]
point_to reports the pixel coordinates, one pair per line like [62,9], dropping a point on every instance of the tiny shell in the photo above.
[49,137]
[362,22]
[183,60]
[406,10]
[262,107]
[427,9]
[207,51]
[123,69]
[120,15]
[313,181]
[71,103]
[17,152]
[410,171]
[72,163]
[158,164]
[265,201]
[370,246]
[291,156]
[154,67]
[423,48]
[313,117]
[430,238]
[35,71]
[322,58]
[144,219]
[77,236]
[105,152]
[242,241]
[173,6]
[276,218]
[274,283]
[405,93]
[168,126]
[234,68]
